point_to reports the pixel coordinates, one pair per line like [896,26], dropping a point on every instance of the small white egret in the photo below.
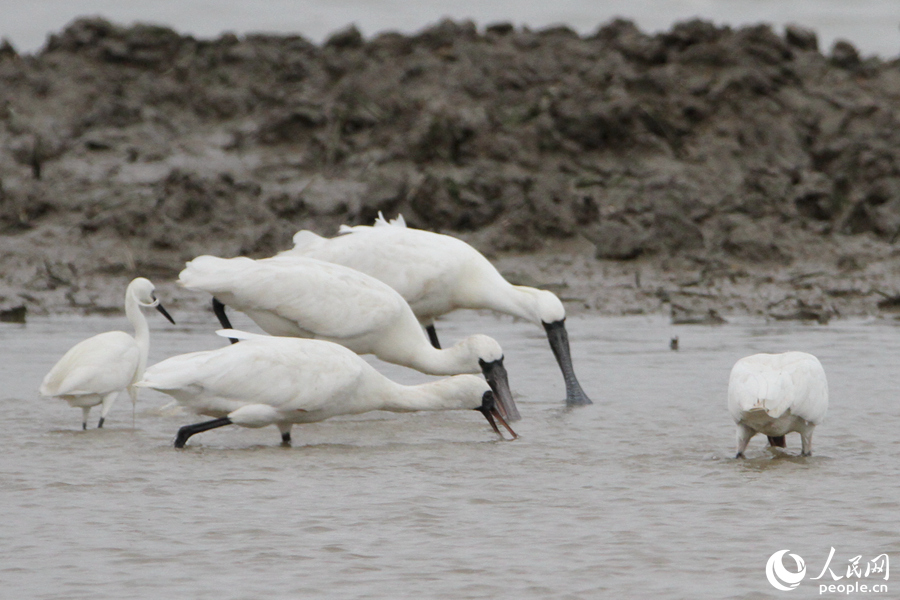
[775,394]
[437,274]
[95,370]
[308,298]
[267,380]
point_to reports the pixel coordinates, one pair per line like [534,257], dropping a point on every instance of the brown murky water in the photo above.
[636,496]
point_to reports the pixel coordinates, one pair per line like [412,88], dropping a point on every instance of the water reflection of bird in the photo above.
[303,297]
[775,394]
[95,370]
[281,381]
[438,274]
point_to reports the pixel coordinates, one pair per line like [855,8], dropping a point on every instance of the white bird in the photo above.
[266,380]
[437,274]
[775,394]
[95,370]
[308,298]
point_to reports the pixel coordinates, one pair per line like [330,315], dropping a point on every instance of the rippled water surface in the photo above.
[636,496]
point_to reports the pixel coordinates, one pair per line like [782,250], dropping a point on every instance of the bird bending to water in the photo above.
[308,298]
[437,274]
[775,394]
[95,370]
[281,381]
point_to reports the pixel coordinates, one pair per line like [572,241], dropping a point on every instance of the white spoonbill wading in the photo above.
[438,274]
[95,370]
[266,380]
[775,394]
[308,298]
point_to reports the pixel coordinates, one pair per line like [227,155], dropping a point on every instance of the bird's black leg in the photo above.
[286,438]
[219,310]
[100,424]
[432,335]
[188,430]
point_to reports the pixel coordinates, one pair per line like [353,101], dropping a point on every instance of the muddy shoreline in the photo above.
[698,172]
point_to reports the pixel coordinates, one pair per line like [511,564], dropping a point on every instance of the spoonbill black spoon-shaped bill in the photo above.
[775,394]
[95,370]
[437,274]
[281,381]
[308,298]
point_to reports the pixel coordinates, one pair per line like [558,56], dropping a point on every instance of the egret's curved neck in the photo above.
[141,331]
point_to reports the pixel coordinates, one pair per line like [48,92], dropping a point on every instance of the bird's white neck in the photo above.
[518,301]
[528,303]
[141,331]
[450,361]
[452,393]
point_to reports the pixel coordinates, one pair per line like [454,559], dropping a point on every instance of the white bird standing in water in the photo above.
[437,274]
[266,380]
[95,370]
[775,394]
[308,298]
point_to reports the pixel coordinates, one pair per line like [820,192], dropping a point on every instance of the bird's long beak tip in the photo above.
[165,313]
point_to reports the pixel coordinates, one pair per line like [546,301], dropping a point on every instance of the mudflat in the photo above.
[703,171]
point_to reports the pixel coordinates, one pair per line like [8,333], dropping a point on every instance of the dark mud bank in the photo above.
[738,170]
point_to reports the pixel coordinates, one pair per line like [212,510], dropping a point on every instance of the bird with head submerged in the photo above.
[437,274]
[282,381]
[775,394]
[95,370]
[303,297]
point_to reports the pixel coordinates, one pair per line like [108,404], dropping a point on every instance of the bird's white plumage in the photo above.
[290,374]
[95,370]
[775,394]
[282,381]
[437,274]
[298,297]
[303,297]
[434,273]
[96,366]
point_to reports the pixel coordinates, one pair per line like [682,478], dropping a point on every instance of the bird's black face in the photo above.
[495,374]
[488,408]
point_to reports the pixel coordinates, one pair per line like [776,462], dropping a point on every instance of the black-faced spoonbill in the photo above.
[267,380]
[95,370]
[308,298]
[775,394]
[438,274]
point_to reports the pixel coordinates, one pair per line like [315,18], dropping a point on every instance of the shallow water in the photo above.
[636,496]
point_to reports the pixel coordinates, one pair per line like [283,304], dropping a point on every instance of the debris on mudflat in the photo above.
[16,314]
[890,304]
